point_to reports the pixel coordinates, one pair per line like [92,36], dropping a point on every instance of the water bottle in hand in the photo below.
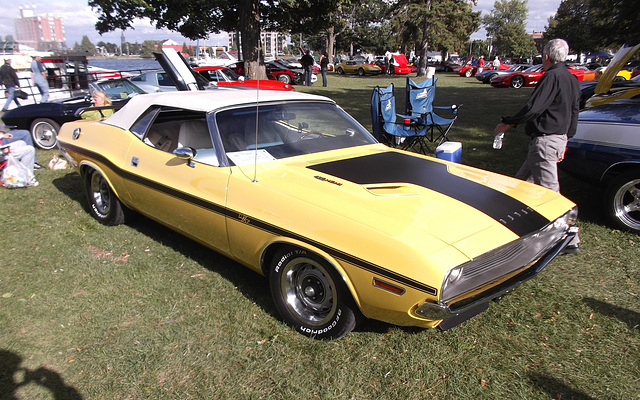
[497,141]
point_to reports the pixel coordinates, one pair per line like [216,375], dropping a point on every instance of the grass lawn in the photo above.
[139,312]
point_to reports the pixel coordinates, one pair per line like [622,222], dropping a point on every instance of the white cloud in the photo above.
[539,13]
[80,19]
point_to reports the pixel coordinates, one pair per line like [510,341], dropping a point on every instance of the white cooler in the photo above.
[450,151]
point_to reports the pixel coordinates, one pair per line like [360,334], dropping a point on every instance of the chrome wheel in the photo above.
[624,202]
[517,82]
[45,133]
[100,193]
[308,291]
[284,78]
[104,205]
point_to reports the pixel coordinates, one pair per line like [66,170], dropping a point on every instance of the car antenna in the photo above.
[255,148]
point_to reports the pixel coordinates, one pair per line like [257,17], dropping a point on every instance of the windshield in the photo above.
[534,68]
[119,89]
[229,75]
[286,130]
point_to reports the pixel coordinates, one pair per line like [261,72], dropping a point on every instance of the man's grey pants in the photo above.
[541,164]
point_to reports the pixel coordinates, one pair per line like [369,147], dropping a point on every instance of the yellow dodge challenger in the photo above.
[291,186]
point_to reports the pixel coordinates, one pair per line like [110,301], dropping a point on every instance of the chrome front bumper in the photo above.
[441,310]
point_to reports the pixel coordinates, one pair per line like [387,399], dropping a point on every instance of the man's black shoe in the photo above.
[37,166]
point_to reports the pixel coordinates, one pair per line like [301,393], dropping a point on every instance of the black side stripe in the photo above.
[392,167]
[255,223]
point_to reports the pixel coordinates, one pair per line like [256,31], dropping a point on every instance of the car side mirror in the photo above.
[187,154]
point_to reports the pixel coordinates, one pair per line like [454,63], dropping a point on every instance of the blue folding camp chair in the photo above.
[419,105]
[394,130]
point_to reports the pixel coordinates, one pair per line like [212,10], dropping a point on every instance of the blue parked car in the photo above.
[606,152]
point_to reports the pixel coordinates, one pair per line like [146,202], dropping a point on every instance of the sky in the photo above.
[79,20]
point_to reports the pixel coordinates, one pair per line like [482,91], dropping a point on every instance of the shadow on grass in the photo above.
[251,284]
[631,318]
[555,388]
[12,377]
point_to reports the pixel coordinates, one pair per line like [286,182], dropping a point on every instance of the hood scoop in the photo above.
[393,190]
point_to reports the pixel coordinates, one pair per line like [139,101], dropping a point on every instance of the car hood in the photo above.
[420,201]
[184,77]
[619,111]
[620,60]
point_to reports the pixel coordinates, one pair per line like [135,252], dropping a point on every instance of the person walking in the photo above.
[324,67]
[39,78]
[9,79]
[550,117]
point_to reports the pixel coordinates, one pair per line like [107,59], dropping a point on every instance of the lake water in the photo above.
[123,64]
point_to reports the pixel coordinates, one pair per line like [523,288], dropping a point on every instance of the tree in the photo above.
[196,19]
[506,24]
[435,24]
[590,25]
[86,46]
[149,47]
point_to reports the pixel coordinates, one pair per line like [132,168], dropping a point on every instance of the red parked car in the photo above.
[470,70]
[529,77]
[401,69]
[277,72]
[224,76]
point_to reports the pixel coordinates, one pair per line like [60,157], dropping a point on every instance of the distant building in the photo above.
[172,44]
[273,43]
[538,38]
[40,32]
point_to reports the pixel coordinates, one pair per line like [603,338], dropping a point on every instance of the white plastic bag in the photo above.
[14,174]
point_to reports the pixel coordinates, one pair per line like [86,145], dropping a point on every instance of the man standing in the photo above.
[481,64]
[496,64]
[39,78]
[307,62]
[550,117]
[9,79]
[324,67]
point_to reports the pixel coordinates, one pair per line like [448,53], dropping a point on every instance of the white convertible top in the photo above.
[206,100]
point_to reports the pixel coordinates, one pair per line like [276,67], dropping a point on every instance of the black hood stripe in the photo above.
[392,167]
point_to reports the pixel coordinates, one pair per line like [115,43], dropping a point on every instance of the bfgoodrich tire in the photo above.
[622,201]
[103,202]
[310,296]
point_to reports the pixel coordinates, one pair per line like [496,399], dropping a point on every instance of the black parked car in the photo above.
[44,119]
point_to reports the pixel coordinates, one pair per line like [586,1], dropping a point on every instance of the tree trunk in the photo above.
[331,39]
[424,46]
[249,11]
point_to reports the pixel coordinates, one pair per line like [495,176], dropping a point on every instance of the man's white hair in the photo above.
[557,50]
